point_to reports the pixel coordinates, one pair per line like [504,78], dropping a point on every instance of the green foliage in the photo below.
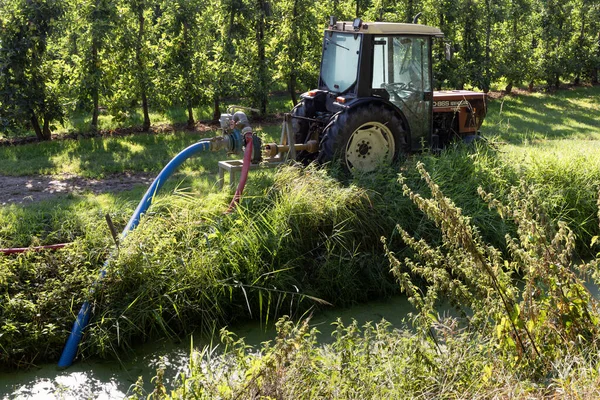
[27,92]
[532,324]
[183,57]
[89,56]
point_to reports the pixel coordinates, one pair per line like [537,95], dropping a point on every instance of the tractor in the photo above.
[375,102]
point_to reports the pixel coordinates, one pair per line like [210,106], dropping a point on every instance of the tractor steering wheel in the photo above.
[399,86]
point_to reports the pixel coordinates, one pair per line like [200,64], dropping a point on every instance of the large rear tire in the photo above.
[363,138]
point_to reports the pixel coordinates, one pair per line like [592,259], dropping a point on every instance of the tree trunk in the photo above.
[295,49]
[146,124]
[216,109]
[262,63]
[95,90]
[46,129]
[190,121]
[36,127]
[581,43]
[188,76]
[381,8]
[142,70]
[595,70]
[488,33]
[292,90]
[96,108]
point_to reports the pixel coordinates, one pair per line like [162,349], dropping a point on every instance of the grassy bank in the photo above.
[298,233]
[298,236]
[529,326]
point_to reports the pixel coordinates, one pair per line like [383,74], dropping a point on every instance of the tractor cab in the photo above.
[375,98]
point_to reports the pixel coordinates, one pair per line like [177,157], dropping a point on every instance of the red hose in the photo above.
[244,175]
[36,248]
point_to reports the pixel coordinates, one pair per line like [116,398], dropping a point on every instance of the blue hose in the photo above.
[70,350]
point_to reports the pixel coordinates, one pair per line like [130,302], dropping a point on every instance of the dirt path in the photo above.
[27,189]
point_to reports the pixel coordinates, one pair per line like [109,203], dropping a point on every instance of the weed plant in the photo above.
[375,361]
[528,329]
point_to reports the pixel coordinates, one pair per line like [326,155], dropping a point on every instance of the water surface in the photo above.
[112,379]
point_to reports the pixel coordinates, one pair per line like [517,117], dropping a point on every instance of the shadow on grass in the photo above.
[565,114]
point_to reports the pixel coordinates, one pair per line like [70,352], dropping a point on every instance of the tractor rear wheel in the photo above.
[363,138]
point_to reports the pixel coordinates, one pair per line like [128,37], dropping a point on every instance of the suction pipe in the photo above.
[230,141]
[70,350]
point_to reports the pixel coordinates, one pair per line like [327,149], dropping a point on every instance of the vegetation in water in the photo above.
[529,324]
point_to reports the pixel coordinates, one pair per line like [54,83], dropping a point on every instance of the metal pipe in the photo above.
[15,250]
[249,137]
[272,149]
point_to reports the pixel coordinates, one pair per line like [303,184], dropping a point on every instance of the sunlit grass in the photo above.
[99,156]
[569,114]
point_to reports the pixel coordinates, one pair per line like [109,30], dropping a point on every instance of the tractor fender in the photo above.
[361,101]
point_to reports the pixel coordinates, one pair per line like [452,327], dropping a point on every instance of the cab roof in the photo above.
[387,28]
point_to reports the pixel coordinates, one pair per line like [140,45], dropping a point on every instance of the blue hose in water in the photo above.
[70,350]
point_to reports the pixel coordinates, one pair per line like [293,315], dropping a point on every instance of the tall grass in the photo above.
[188,266]
[529,325]
[300,234]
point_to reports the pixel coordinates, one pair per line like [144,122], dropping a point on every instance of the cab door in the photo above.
[402,66]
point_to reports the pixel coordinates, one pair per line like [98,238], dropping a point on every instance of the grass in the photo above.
[526,118]
[298,233]
[100,156]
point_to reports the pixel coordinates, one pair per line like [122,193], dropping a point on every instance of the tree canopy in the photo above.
[58,56]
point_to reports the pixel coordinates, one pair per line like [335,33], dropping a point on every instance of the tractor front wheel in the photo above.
[363,138]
